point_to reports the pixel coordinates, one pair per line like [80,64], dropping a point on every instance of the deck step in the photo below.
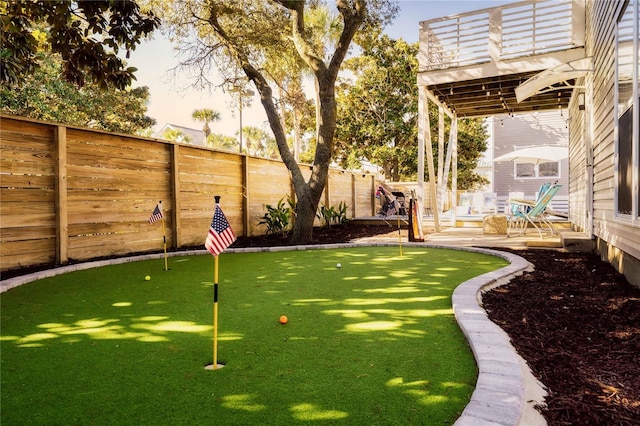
[576,241]
[545,243]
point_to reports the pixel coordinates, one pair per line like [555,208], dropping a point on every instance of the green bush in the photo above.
[277,219]
[333,214]
[341,213]
[326,214]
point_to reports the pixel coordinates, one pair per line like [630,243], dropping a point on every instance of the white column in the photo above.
[424,134]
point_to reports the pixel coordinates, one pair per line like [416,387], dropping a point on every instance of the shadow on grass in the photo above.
[371,342]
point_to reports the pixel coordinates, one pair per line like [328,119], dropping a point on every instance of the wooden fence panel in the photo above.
[364,190]
[340,190]
[113,184]
[203,174]
[69,193]
[27,194]
[269,182]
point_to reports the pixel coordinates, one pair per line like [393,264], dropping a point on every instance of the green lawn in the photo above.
[371,343]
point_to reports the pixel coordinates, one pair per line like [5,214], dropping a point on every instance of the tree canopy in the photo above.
[88,36]
[44,96]
[237,37]
[206,115]
[378,109]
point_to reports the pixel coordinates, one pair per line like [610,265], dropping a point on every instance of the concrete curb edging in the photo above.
[499,396]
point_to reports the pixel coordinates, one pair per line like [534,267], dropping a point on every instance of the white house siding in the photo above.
[617,241]
[579,167]
[525,130]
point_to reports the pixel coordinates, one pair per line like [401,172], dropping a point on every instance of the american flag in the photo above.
[157,213]
[220,234]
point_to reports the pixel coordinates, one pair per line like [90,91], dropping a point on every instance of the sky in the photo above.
[173,102]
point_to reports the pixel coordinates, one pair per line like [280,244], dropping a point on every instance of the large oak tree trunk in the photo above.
[308,193]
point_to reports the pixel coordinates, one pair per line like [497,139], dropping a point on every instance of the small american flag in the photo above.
[220,234]
[157,213]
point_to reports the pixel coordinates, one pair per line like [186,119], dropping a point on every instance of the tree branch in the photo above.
[266,94]
[353,17]
[298,32]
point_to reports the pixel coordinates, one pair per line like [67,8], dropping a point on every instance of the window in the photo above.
[627,198]
[542,170]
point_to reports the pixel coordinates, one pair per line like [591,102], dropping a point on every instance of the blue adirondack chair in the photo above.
[517,206]
[524,212]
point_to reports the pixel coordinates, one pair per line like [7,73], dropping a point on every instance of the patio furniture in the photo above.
[400,199]
[466,203]
[523,213]
[513,196]
[490,202]
[388,205]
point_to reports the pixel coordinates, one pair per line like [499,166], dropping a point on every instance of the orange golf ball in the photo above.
[284,319]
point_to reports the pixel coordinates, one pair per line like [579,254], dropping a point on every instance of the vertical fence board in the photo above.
[62,220]
[174,230]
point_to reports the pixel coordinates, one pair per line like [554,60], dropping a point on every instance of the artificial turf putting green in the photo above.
[373,342]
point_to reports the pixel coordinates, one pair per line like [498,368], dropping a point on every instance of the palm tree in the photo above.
[176,135]
[205,116]
[255,137]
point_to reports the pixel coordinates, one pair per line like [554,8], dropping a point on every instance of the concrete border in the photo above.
[501,394]
[506,389]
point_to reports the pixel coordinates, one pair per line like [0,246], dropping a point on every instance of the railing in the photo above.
[507,32]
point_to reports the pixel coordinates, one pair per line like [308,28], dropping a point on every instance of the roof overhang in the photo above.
[558,77]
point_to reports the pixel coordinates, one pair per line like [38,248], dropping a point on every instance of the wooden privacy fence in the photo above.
[69,193]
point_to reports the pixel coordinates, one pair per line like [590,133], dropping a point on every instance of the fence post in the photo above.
[176,217]
[62,219]
[245,195]
[354,192]
[373,195]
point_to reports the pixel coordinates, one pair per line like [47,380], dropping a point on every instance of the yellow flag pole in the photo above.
[399,235]
[216,245]
[215,313]
[164,238]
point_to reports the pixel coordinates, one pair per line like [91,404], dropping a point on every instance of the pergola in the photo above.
[522,57]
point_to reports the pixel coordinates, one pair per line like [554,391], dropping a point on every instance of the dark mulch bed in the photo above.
[575,320]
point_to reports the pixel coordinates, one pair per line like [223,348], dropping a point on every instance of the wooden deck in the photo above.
[469,232]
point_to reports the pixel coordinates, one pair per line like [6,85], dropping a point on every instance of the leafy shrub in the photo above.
[326,214]
[333,214]
[277,219]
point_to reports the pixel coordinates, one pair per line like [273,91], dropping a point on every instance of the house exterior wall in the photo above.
[579,167]
[526,130]
[617,239]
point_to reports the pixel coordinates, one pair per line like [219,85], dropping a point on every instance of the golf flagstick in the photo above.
[399,235]
[220,237]
[164,239]
[215,312]
[156,215]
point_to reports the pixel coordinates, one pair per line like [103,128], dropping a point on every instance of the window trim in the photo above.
[536,176]
[633,218]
